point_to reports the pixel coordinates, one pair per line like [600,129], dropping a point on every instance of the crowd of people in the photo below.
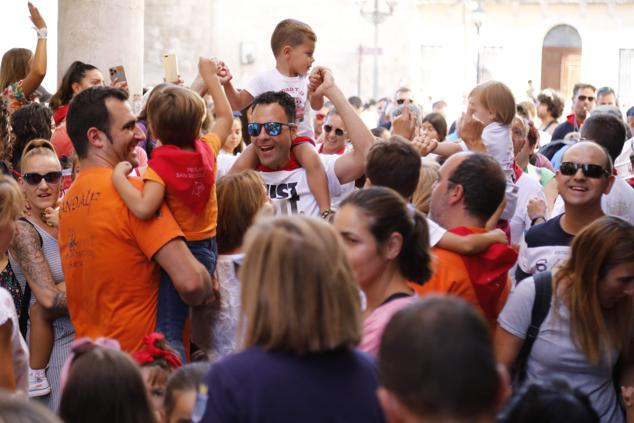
[283,252]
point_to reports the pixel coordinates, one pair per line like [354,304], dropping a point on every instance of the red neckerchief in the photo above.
[518,171]
[488,272]
[338,152]
[60,114]
[189,174]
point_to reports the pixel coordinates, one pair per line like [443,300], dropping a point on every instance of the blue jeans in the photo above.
[172,311]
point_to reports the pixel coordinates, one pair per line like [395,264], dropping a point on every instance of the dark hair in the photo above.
[581,86]
[533,134]
[378,131]
[607,91]
[549,401]
[291,32]
[28,123]
[277,97]
[88,110]
[606,130]
[394,164]
[74,74]
[438,122]
[437,357]
[355,102]
[105,385]
[175,115]
[483,182]
[553,102]
[187,378]
[389,213]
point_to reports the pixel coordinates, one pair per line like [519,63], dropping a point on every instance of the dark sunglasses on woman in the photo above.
[589,170]
[338,131]
[272,129]
[51,178]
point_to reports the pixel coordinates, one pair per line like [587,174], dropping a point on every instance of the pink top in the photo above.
[374,324]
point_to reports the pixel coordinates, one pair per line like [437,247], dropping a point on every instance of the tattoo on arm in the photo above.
[28,252]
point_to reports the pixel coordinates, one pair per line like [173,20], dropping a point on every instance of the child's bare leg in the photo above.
[317,180]
[248,159]
[41,344]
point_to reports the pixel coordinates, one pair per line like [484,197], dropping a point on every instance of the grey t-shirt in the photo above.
[555,354]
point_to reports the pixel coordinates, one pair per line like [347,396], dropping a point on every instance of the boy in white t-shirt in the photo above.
[293,44]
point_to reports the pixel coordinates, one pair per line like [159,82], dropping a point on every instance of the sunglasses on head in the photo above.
[338,131]
[36,178]
[403,100]
[271,128]
[585,97]
[589,170]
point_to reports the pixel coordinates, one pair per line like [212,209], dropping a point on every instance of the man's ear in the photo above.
[455,194]
[392,408]
[608,188]
[96,137]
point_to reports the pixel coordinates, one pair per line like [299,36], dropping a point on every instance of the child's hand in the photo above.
[314,80]
[424,145]
[223,73]
[51,217]
[499,236]
[122,170]
[208,68]
[471,132]
[326,80]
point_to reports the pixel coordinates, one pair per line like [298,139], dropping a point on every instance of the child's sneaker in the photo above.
[38,383]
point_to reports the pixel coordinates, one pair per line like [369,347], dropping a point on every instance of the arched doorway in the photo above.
[561,59]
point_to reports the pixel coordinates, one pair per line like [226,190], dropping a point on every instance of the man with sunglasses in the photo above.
[584,177]
[583,101]
[271,133]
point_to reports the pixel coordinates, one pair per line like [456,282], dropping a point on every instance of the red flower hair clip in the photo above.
[155,348]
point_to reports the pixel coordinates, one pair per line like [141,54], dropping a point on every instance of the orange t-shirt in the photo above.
[195,226]
[111,280]
[452,277]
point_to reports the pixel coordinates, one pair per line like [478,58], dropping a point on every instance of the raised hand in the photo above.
[405,124]
[224,75]
[324,80]
[36,17]
[424,145]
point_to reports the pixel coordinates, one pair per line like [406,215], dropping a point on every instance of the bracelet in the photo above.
[533,221]
[326,213]
[42,33]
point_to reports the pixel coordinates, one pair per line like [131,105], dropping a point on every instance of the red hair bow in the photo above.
[155,348]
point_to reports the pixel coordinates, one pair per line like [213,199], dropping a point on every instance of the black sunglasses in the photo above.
[589,170]
[585,97]
[272,129]
[36,178]
[338,131]
[402,100]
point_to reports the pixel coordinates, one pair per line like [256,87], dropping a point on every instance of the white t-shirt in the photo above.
[224,162]
[554,352]
[19,349]
[520,222]
[623,163]
[289,192]
[618,202]
[296,86]
[497,139]
[436,232]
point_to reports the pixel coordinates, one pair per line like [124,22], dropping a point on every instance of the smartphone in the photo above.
[170,67]
[117,73]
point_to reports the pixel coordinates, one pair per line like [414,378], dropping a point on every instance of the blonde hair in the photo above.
[15,66]
[11,200]
[298,291]
[291,32]
[37,147]
[594,330]
[175,115]
[497,98]
[429,174]
[240,196]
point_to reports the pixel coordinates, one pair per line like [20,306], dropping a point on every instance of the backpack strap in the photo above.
[541,307]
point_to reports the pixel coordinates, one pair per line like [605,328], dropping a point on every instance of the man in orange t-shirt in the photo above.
[470,188]
[110,258]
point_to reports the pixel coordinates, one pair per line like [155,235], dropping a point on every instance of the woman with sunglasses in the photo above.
[335,137]
[35,258]
[589,322]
